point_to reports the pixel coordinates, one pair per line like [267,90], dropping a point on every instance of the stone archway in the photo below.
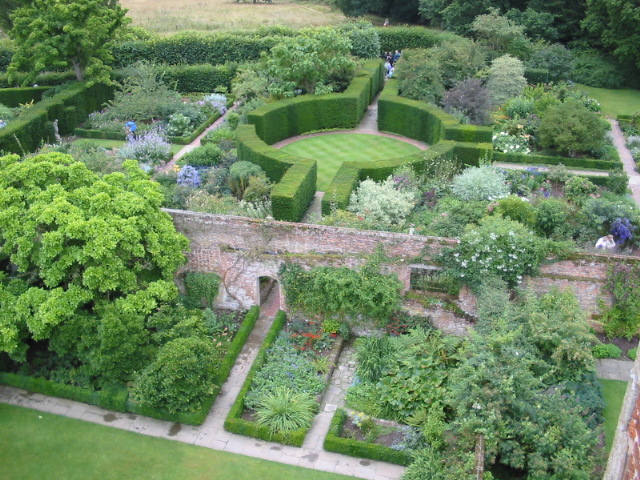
[268,293]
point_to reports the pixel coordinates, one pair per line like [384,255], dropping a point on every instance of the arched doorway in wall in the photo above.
[269,294]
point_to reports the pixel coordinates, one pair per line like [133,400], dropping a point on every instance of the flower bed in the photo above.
[282,391]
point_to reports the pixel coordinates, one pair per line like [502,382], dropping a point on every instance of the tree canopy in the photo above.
[65,33]
[76,247]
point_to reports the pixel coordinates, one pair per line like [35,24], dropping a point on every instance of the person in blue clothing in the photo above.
[131,128]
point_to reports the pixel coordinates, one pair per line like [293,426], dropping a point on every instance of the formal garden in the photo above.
[505,153]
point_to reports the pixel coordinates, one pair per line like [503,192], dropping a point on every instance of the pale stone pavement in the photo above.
[211,433]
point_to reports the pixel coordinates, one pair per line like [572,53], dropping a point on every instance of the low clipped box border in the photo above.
[584,163]
[235,423]
[118,399]
[333,442]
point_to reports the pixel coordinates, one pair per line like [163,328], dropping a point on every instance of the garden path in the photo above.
[211,433]
[626,159]
[196,143]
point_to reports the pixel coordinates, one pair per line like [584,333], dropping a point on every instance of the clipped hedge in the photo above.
[204,78]
[295,191]
[118,398]
[585,163]
[13,97]
[111,399]
[422,121]
[194,48]
[333,442]
[49,79]
[35,125]
[535,76]
[400,38]
[234,421]
[350,173]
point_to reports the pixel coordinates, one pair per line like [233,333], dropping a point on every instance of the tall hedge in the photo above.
[35,125]
[13,97]
[586,163]
[400,38]
[291,197]
[194,48]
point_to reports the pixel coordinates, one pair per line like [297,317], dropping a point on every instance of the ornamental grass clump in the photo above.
[480,183]
[284,410]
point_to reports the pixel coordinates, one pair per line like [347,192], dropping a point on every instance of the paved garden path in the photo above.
[211,433]
[626,159]
[611,369]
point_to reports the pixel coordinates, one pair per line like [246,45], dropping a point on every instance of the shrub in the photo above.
[189,177]
[551,218]
[201,288]
[382,203]
[150,148]
[593,68]
[497,247]
[419,76]
[365,41]
[480,183]
[221,133]
[556,59]
[618,181]
[507,143]
[178,125]
[506,79]
[180,376]
[239,175]
[577,189]
[284,410]
[459,59]
[632,353]
[200,201]
[517,209]
[606,350]
[571,128]
[471,99]
[208,155]
[623,317]
[519,107]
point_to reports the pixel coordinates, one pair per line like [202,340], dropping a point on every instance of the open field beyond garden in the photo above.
[615,102]
[36,445]
[166,16]
[331,150]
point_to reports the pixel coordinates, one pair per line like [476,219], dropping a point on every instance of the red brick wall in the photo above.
[632,469]
[241,250]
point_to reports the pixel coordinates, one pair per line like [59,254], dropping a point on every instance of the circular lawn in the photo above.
[330,150]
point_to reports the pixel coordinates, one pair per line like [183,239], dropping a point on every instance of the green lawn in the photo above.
[613,392]
[111,144]
[615,102]
[36,445]
[331,150]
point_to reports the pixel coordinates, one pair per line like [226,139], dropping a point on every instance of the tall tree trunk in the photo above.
[479,468]
[78,69]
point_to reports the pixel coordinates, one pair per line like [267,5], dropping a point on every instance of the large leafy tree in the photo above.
[616,23]
[65,34]
[78,250]
[7,7]
[315,61]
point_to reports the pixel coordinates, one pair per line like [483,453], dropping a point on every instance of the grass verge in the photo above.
[36,445]
[615,102]
[330,151]
[613,392]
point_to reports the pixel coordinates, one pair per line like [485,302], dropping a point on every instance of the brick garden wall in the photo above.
[241,250]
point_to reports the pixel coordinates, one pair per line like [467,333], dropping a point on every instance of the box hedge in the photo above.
[49,79]
[118,399]
[585,163]
[400,38]
[291,197]
[204,78]
[234,421]
[333,442]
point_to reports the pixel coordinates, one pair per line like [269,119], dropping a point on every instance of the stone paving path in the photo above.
[626,159]
[611,369]
[211,433]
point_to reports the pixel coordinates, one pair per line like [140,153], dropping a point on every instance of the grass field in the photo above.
[615,102]
[170,16]
[36,445]
[613,392]
[331,150]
